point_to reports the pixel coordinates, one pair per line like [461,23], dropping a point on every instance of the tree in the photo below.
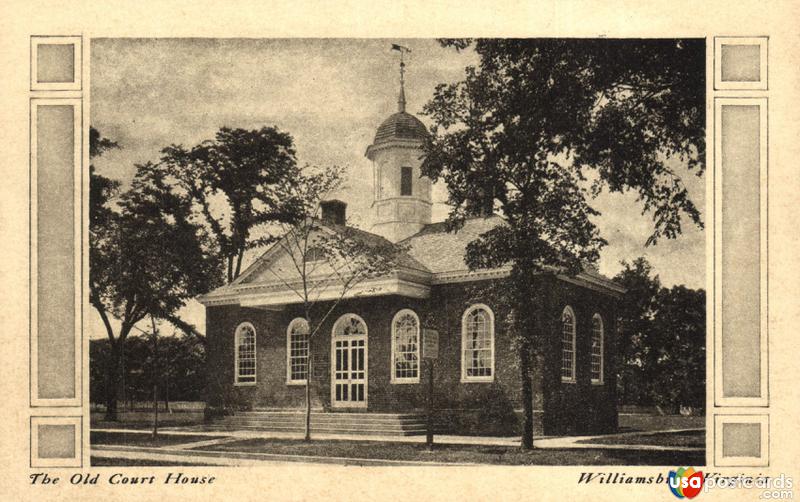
[539,127]
[237,184]
[146,257]
[662,335]
[635,316]
[326,261]
[680,327]
[182,367]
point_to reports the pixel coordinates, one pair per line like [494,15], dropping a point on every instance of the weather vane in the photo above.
[401,101]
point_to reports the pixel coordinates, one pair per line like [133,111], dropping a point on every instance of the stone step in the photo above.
[337,420]
[329,423]
[385,423]
[364,414]
[320,430]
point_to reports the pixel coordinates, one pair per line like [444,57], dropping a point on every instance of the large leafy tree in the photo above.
[662,341]
[147,258]
[238,184]
[636,354]
[540,126]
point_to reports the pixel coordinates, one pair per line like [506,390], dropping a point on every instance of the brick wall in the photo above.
[474,407]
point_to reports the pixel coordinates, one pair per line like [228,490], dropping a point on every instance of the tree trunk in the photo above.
[527,395]
[307,436]
[112,381]
[155,377]
[525,308]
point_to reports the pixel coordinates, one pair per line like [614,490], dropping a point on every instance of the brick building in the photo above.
[366,357]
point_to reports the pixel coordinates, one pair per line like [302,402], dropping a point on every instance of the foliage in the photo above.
[181,375]
[662,341]
[240,182]
[146,255]
[541,126]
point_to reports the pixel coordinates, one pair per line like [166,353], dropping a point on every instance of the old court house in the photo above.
[367,371]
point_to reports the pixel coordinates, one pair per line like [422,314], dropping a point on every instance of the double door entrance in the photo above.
[349,363]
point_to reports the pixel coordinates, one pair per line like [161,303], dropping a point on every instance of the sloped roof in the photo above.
[404,259]
[443,251]
[431,256]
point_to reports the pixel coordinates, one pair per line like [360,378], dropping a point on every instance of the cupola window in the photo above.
[405,181]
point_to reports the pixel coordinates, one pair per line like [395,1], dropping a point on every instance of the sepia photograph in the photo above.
[377,252]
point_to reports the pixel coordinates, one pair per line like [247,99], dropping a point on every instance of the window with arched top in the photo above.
[405,347]
[477,344]
[297,351]
[596,369]
[245,354]
[568,345]
[349,324]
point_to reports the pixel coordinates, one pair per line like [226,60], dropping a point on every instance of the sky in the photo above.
[330,95]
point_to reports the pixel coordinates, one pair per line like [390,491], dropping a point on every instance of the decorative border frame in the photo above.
[762,460]
[721,409]
[73,410]
[726,410]
[77,63]
[35,399]
[76,461]
[759,85]
[719,396]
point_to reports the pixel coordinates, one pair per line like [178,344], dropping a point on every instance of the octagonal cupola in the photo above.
[401,195]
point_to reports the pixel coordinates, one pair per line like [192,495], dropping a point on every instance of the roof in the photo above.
[432,256]
[404,259]
[401,125]
[443,251]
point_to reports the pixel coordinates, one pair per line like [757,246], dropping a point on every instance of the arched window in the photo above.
[477,344]
[405,347]
[297,351]
[568,345]
[597,349]
[245,354]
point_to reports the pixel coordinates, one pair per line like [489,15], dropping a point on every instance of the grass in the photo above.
[140,439]
[690,438]
[129,462]
[140,425]
[477,454]
[633,423]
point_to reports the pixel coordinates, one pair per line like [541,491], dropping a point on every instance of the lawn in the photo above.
[474,454]
[141,439]
[631,423]
[690,438]
[129,462]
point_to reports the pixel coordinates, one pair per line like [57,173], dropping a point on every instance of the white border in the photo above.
[725,85]
[720,399]
[78,181]
[37,461]
[75,85]
[762,460]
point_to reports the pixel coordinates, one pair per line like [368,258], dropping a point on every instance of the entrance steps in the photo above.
[387,424]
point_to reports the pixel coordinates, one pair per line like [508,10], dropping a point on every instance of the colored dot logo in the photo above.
[685,482]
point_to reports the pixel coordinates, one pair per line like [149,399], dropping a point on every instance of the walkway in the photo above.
[560,442]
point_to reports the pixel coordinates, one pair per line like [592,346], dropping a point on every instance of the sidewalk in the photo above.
[560,442]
